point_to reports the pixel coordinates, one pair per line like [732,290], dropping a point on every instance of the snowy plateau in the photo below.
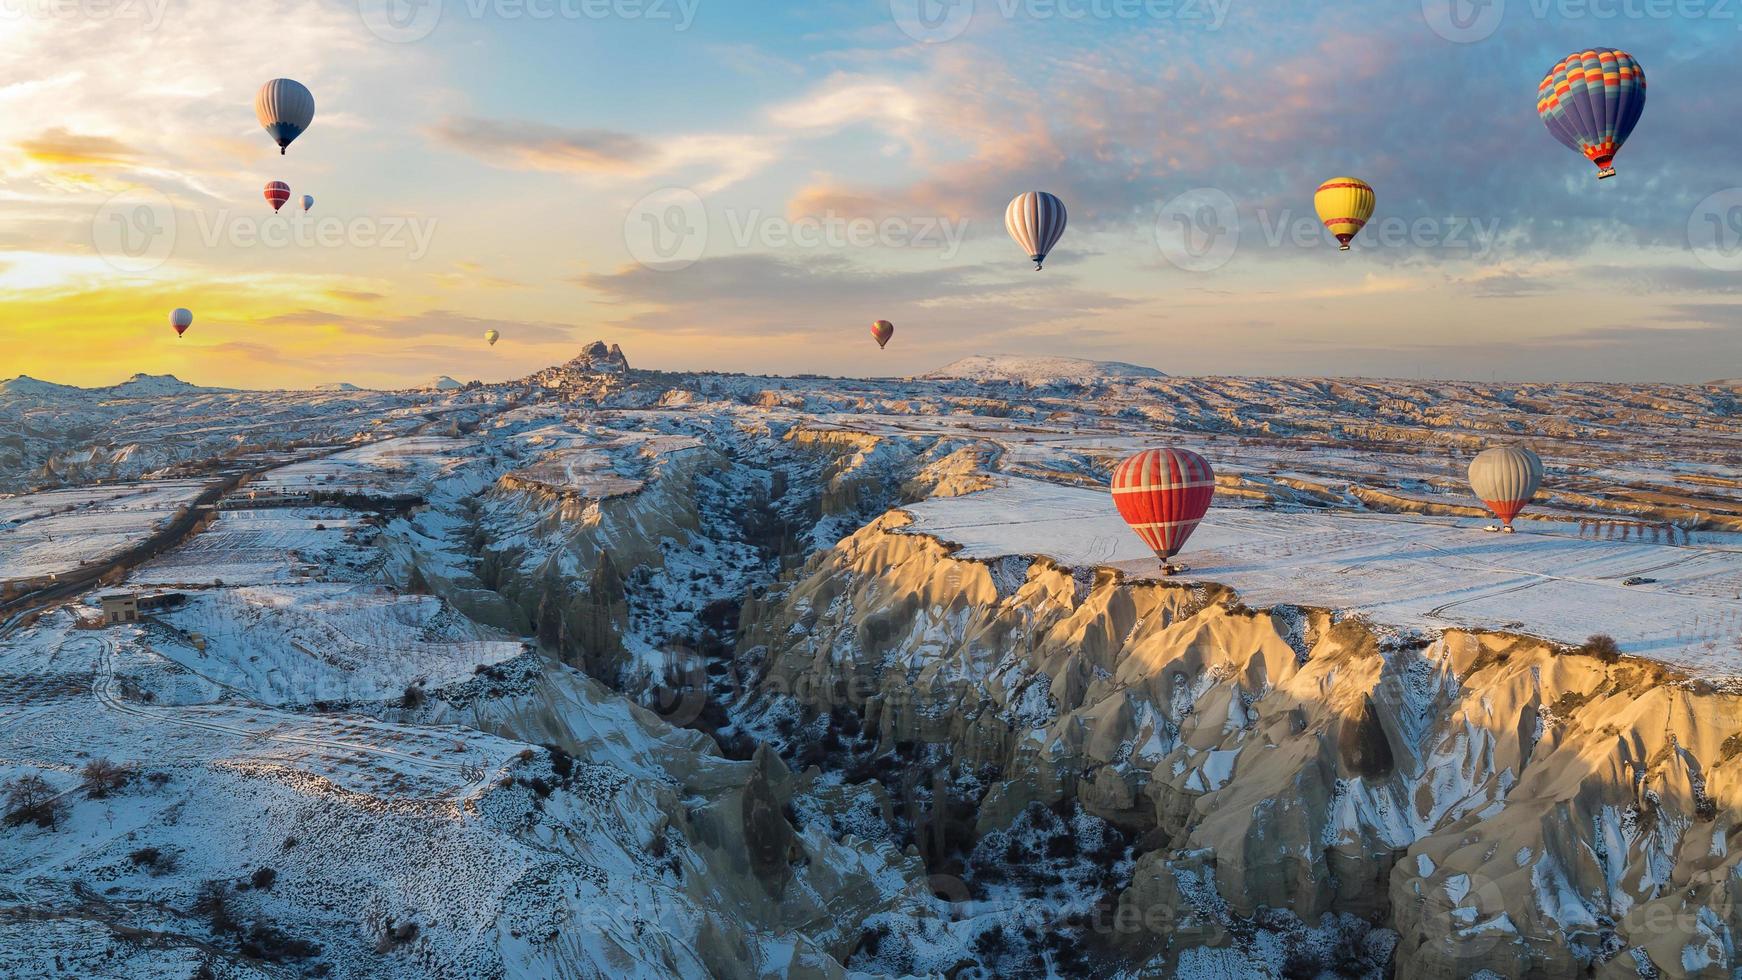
[612,672]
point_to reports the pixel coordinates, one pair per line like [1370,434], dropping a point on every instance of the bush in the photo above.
[213,902]
[102,777]
[154,860]
[30,799]
[1603,647]
[262,878]
[413,698]
[269,943]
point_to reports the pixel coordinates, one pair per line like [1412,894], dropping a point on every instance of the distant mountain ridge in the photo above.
[138,386]
[1038,369]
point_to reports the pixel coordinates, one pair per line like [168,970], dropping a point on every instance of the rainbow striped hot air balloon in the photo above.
[1163,494]
[277,192]
[1590,101]
[1505,478]
[1035,219]
[881,331]
[1344,205]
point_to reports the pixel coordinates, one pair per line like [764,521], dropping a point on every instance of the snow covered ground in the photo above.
[1399,570]
[56,531]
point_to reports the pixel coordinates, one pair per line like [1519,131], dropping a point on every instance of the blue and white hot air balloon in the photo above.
[1035,219]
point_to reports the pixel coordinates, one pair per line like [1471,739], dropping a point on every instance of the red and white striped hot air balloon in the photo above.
[1505,478]
[881,331]
[181,319]
[1163,494]
[277,192]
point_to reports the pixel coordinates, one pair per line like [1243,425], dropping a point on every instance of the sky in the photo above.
[746,186]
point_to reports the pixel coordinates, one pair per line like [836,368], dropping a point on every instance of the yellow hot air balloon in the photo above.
[491,336]
[1344,205]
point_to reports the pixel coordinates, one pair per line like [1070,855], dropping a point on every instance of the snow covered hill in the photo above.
[1038,370]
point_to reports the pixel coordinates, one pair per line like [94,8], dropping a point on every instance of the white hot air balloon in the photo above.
[1035,219]
[308,201]
[181,319]
[1505,478]
[286,108]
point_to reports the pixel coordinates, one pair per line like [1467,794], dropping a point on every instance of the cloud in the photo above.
[535,146]
[429,324]
[59,146]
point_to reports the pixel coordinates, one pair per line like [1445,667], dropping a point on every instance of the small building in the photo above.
[126,607]
[120,607]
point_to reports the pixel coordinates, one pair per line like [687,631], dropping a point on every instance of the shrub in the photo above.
[413,698]
[262,878]
[30,799]
[102,777]
[1603,647]
[213,902]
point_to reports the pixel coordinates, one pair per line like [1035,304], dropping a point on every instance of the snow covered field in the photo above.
[1400,570]
[56,531]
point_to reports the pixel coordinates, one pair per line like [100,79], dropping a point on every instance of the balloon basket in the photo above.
[1506,530]
[1606,173]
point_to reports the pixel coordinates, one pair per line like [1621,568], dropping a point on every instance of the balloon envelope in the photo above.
[491,336]
[881,331]
[1163,494]
[1590,101]
[277,192]
[1344,205]
[286,108]
[1035,220]
[181,319]
[1505,478]
[308,201]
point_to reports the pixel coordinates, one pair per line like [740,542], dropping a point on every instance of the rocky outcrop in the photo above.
[1497,802]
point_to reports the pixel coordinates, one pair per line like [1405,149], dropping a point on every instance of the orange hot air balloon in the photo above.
[1163,494]
[881,331]
[277,192]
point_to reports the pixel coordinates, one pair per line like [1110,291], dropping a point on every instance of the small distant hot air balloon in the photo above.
[1505,478]
[1163,494]
[308,201]
[1035,219]
[1344,205]
[881,331]
[277,192]
[491,336]
[286,108]
[181,320]
[1590,101]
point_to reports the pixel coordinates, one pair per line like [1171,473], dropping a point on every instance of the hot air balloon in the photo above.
[181,320]
[1344,205]
[277,192]
[881,331]
[491,336]
[1035,219]
[308,201]
[1590,101]
[286,108]
[1163,494]
[1505,478]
